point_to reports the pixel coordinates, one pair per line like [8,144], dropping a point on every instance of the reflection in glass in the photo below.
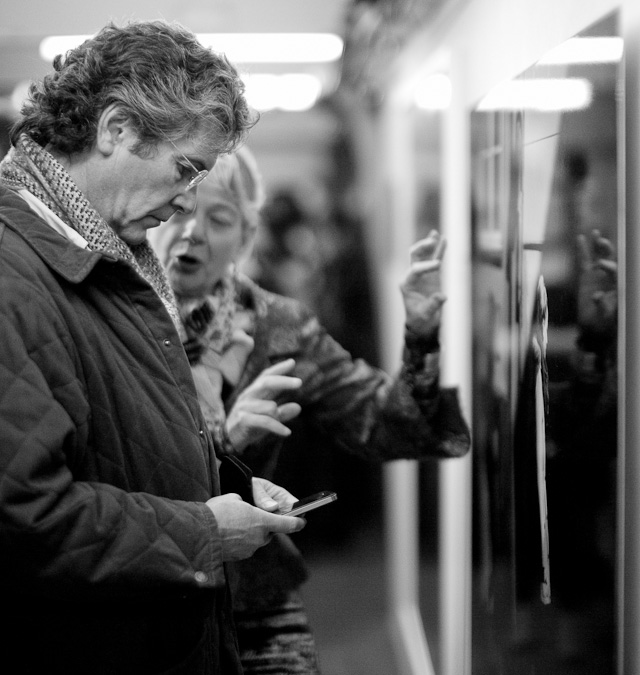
[545,223]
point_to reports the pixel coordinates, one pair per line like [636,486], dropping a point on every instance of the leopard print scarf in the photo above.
[29,166]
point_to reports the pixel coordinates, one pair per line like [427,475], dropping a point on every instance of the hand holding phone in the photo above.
[311,502]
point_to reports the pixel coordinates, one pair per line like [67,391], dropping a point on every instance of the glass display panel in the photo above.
[545,236]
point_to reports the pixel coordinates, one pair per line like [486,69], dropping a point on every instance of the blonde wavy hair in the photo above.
[238,174]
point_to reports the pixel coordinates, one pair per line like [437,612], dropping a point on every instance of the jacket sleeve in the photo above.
[65,537]
[368,412]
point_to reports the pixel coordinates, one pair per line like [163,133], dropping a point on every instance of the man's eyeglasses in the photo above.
[198,176]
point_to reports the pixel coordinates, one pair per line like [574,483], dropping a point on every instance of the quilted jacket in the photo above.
[361,408]
[109,559]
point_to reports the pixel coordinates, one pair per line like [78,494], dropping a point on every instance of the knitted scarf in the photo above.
[29,166]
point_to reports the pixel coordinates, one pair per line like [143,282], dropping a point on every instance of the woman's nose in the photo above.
[189,229]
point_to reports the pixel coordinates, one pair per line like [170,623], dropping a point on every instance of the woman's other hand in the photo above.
[255,414]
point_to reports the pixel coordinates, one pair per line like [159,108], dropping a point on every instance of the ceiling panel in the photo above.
[23,24]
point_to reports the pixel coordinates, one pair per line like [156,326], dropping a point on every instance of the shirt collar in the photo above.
[41,209]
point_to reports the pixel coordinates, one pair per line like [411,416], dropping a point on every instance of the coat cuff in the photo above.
[213,574]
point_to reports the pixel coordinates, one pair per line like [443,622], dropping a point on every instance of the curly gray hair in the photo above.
[163,81]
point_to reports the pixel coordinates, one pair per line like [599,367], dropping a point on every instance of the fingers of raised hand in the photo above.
[610,269]
[421,267]
[271,410]
[595,249]
[603,248]
[422,277]
[266,416]
[280,368]
[269,386]
[288,411]
[432,247]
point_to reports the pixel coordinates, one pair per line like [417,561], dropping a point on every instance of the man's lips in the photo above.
[160,217]
[150,222]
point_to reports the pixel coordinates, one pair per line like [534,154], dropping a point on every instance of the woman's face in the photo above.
[201,246]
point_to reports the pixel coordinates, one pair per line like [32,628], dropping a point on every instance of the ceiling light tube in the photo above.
[275,47]
[294,92]
[239,47]
[585,50]
[543,95]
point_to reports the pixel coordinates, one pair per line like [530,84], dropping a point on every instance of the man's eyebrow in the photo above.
[196,161]
[199,163]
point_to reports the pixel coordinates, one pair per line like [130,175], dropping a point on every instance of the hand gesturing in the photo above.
[256,412]
[421,287]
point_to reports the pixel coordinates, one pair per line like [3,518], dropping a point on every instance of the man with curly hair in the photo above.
[114,533]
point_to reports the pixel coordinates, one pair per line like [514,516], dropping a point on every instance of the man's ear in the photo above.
[112,129]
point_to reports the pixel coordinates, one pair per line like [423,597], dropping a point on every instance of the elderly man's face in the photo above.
[201,246]
[139,193]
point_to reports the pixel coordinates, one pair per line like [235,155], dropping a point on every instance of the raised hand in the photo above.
[597,289]
[255,414]
[421,287]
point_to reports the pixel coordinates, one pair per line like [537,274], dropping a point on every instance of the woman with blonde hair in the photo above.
[260,360]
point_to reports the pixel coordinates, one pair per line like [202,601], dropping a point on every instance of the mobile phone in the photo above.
[311,502]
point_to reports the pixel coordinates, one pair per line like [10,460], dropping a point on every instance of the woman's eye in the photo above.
[220,223]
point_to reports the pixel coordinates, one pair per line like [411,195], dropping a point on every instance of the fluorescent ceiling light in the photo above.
[585,50]
[291,91]
[59,44]
[239,47]
[275,47]
[433,93]
[544,95]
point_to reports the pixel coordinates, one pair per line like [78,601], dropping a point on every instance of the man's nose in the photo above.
[186,200]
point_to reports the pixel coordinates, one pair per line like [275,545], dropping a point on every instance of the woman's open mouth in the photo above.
[182,258]
[186,262]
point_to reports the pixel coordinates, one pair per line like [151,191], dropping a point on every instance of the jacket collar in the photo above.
[61,255]
[268,348]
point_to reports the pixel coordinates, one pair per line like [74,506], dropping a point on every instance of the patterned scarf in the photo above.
[223,328]
[210,319]
[29,166]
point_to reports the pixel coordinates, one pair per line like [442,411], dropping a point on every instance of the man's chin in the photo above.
[135,233]
[134,239]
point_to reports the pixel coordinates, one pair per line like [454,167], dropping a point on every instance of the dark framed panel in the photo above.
[545,187]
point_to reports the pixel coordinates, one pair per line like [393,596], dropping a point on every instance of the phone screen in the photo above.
[311,502]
